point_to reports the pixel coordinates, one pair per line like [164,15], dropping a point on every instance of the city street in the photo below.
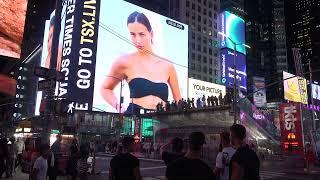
[155,170]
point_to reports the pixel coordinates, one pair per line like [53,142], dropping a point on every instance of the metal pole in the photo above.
[234,85]
[312,102]
[120,97]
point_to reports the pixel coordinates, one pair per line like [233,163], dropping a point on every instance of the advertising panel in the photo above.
[295,88]
[259,95]
[291,128]
[227,69]
[117,50]
[198,89]
[12,13]
[233,27]
[316,94]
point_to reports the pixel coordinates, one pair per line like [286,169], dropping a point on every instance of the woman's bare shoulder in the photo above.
[123,60]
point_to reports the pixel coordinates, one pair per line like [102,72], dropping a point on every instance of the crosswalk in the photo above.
[264,175]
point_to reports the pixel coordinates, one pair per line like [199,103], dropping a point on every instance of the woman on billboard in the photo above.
[148,76]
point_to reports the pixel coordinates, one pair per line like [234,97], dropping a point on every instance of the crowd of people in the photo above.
[200,102]
[235,161]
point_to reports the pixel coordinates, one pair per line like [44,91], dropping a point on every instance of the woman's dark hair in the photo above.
[140,18]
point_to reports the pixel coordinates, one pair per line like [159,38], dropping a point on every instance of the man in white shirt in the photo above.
[40,166]
[224,157]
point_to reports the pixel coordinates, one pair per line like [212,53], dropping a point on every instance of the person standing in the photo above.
[224,157]
[73,158]
[20,149]
[310,158]
[244,164]
[190,167]
[40,166]
[177,147]
[82,163]
[12,155]
[125,166]
[56,151]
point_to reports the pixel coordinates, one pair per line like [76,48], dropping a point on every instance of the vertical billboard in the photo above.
[295,88]
[233,27]
[259,95]
[315,88]
[291,128]
[227,69]
[198,89]
[114,50]
[12,13]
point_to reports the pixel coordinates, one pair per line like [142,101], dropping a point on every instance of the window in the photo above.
[210,72]
[199,28]
[204,49]
[199,9]
[205,69]
[204,40]
[205,78]
[215,15]
[193,56]
[199,18]
[204,11]
[193,6]
[205,2]
[215,34]
[199,57]
[216,72]
[204,21]
[193,46]
[205,59]
[188,3]
[193,35]
[199,67]
[215,54]
[210,61]
[215,25]
[210,4]
[187,14]
[198,76]
[193,66]
[210,14]
[215,7]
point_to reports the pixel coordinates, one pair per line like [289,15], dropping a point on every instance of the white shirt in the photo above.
[41,165]
[20,145]
[223,161]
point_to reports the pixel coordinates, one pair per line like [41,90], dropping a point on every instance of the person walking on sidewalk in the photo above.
[40,166]
[224,157]
[190,167]
[244,163]
[125,166]
[176,152]
[310,159]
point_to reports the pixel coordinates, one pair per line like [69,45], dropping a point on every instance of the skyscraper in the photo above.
[202,16]
[303,29]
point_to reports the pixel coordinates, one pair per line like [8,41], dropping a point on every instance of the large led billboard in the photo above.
[198,89]
[295,88]
[233,27]
[114,48]
[12,20]
[227,69]
[316,94]
[259,95]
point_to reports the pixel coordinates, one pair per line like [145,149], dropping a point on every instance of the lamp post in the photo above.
[235,73]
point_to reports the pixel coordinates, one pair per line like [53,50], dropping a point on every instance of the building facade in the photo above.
[303,29]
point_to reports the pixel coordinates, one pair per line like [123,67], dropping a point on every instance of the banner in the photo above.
[198,89]
[259,95]
[291,129]
[295,88]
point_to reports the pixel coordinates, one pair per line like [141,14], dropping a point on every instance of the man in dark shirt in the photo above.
[176,153]
[125,166]
[190,167]
[244,163]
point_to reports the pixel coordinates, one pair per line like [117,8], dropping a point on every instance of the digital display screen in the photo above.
[198,89]
[295,88]
[259,95]
[316,94]
[12,13]
[233,27]
[114,49]
[227,69]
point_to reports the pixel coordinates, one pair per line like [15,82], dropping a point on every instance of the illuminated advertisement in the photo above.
[198,89]
[295,88]
[115,50]
[316,93]
[259,95]
[227,69]
[12,13]
[233,27]
[291,128]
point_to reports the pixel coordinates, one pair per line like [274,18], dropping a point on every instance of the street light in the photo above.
[235,73]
